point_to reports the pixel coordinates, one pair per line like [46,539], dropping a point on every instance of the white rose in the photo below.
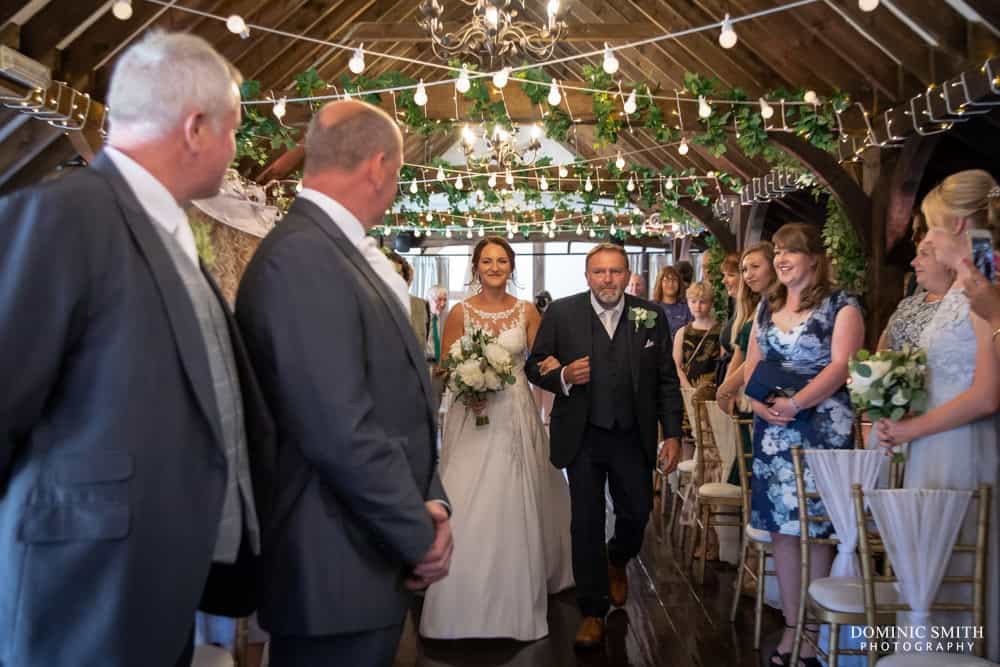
[491,380]
[456,349]
[640,315]
[878,368]
[859,384]
[470,375]
[466,342]
[498,357]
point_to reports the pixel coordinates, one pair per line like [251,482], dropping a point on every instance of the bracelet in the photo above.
[795,404]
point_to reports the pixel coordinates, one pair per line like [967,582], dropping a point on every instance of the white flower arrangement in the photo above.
[642,317]
[478,366]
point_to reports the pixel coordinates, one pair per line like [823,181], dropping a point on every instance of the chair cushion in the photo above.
[686,466]
[847,594]
[932,660]
[758,535]
[208,655]
[719,490]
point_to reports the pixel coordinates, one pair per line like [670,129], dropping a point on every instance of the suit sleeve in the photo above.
[545,346]
[44,280]
[310,347]
[670,404]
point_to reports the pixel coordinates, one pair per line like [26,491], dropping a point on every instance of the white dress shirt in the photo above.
[155,200]
[366,245]
[609,317]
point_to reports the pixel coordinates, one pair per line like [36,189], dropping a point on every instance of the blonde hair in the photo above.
[971,194]
[746,298]
[731,263]
[700,290]
[807,239]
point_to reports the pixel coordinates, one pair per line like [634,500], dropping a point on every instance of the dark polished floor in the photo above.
[668,620]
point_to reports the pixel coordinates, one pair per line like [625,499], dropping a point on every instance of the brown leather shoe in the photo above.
[591,632]
[617,585]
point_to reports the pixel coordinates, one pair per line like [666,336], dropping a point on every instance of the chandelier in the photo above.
[502,148]
[495,34]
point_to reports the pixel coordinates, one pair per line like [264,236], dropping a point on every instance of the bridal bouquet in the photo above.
[889,384]
[478,366]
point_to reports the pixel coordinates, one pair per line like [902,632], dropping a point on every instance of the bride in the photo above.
[510,507]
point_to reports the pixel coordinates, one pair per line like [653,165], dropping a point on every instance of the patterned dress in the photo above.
[909,320]
[700,357]
[807,348]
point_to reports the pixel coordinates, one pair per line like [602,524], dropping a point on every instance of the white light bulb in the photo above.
[482,232]
[683,148]
[468,234]
[554,96]
[447,233]
[510,234]
[440,174]
[536,131]
[298,186]
[867,5]
[670,183]
[810,97]
[468,136]
[235,24]
[430,216]
[610,61]
[563,171]
[492,180]
[552,233]
[463,84]
[727,37]
[543,184]
[279,109]
[508,178]
[704,108]
[458,183]
[631,230]
[588,186]
[416,233]
[500,77]
[631,184]
[553,8]
[630,103]
[492,16]
[122,9]
[357,62]
[592,233]
[579,229]
[469,223]
[480,195]
[620,162]
[413,186]
[766,110]
[420,97]
[612,229]
[594,218]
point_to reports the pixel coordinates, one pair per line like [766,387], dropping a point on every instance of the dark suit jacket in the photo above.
[111,475]
[349,387]
[565,333]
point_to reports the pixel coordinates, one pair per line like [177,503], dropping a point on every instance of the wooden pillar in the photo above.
[538,266]
[754,228]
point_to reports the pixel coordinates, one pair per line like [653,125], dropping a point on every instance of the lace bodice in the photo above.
[950,342]
[509,326]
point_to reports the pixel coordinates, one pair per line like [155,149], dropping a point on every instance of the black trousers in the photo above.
[376,648]
[614,458]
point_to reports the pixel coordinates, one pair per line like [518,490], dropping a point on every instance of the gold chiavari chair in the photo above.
[880,611]
[757,540]
[685,471]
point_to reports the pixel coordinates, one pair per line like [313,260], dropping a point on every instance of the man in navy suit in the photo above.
[129,409]
[360,518]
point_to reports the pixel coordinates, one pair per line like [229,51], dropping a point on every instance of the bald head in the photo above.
[346,133]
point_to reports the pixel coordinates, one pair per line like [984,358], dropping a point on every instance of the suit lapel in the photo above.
[637,337]
[585,326]
[313,212]
[180,311]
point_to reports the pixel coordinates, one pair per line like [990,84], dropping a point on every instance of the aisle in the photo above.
[666,621]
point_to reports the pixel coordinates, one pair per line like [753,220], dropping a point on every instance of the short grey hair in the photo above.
[159,80]
[436,291]
[346,143]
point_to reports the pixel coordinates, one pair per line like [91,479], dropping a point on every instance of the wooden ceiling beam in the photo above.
[989,10]
[39,36]
[942,23]
[374,32]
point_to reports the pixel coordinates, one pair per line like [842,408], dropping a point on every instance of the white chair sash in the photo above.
[834,471]
[919,528]
[724,430]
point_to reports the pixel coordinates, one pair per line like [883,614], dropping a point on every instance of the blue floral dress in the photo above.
[806,349]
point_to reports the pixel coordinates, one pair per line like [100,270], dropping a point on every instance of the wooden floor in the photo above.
[668,620]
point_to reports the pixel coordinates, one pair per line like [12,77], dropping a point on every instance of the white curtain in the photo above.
[835,470]
[428,272]
[919,528]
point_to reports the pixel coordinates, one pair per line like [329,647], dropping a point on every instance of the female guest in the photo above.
[914,313]
[731,281]
[806,329]
[696,345]
[954,444]
[668,293]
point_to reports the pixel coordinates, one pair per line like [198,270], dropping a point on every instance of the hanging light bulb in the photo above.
[867,5]
[413,186]
[612,230]
[482,233]
[458,183]
[631,184]
[508,178]
[236,25]
[588,186]
[480,195]
[440,174]
[610,61]
[592,233]
[727,37]
[683,148]
[545,228]
[579,229]
[552,233]
[594,218]
[631,230]
[469,223]
[704,108]
[670,183]
[122,9]
[563,171]
[298,186]
[553,9]
[463,85]
[620,162]
[357,62]
[468,234]
[554,96]
[766,110]
[810,97]
[420,97]
[279,109]
[430,216]
[447,233]
[630,103]
[416,232]
[500,77]
[492,180]
[543,184]
[536,131]
[510,233]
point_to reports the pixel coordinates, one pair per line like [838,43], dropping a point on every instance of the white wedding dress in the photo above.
[961,458]
[510,509]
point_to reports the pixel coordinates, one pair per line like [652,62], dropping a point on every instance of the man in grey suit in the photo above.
[360,518]
[129,409]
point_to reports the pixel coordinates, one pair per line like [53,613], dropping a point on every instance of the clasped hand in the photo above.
[437,561]
[779,412]
[578,372]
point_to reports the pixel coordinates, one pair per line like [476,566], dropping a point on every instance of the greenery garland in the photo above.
[720,298]
[843,247]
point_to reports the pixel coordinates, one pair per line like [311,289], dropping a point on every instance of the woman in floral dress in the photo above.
[810,328]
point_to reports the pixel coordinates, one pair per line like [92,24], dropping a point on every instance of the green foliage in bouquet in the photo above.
[889,384]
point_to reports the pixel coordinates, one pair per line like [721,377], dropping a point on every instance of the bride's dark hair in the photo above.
[477,254]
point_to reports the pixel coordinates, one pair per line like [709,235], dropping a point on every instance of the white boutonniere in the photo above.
[642,318]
